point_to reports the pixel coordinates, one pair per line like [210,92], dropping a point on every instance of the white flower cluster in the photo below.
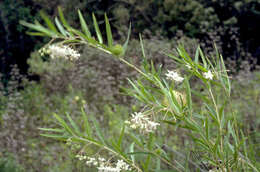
[142,122]
[62,51]
[172,75]
[120,165]
[208,75]
[103,165]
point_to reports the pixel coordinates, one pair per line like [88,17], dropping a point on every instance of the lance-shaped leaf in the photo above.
[127,40]
[35,33]
[99,36]
[62,18]
[83,24]
[63,124]
[48,22]
[60,27]
[109,33]
[39,28]
[87,127]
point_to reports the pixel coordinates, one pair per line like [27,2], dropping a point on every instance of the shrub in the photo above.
[215,136]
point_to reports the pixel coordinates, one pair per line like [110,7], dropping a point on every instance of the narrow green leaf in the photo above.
[115,146]
[62,18]
[58,130]
[98,33]
[207,128]
[197,55]
[119,143]
[136,140]
[39,28]
[216,145]
[131,150]
[84,25]
[49,23]
[87,127]
[36,33]
[54,136]
[203,58]
[149,147]
[142,46]
[227,81]
[98,131]
[230,130]
[212,113]
[188,92]
[139,92]
[109,33]
[174,58]
[127,40]
[73,124]
[63,124]
[60,27]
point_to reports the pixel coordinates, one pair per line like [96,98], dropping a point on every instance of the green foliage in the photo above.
[70,33]
[213,128]
[203,124]
[8,164]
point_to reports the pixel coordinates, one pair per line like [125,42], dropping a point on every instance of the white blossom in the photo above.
[172,75]
[105,166]
[142,122]
[62,51]
[122,165]
[81,157]
[208,75]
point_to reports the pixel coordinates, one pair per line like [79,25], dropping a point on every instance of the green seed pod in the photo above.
[117,50]
[180,97]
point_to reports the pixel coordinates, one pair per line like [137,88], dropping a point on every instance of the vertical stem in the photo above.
[218,118]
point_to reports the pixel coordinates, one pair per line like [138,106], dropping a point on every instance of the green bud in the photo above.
[117,50]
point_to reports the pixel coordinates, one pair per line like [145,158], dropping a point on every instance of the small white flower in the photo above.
[63,51]
[122,165]
[208,75]
[105,166]
[143,123]
[172,75]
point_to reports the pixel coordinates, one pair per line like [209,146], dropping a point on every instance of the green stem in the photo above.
[133,66]
[218,118]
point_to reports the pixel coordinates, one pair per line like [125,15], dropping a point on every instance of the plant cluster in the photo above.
[166,101]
